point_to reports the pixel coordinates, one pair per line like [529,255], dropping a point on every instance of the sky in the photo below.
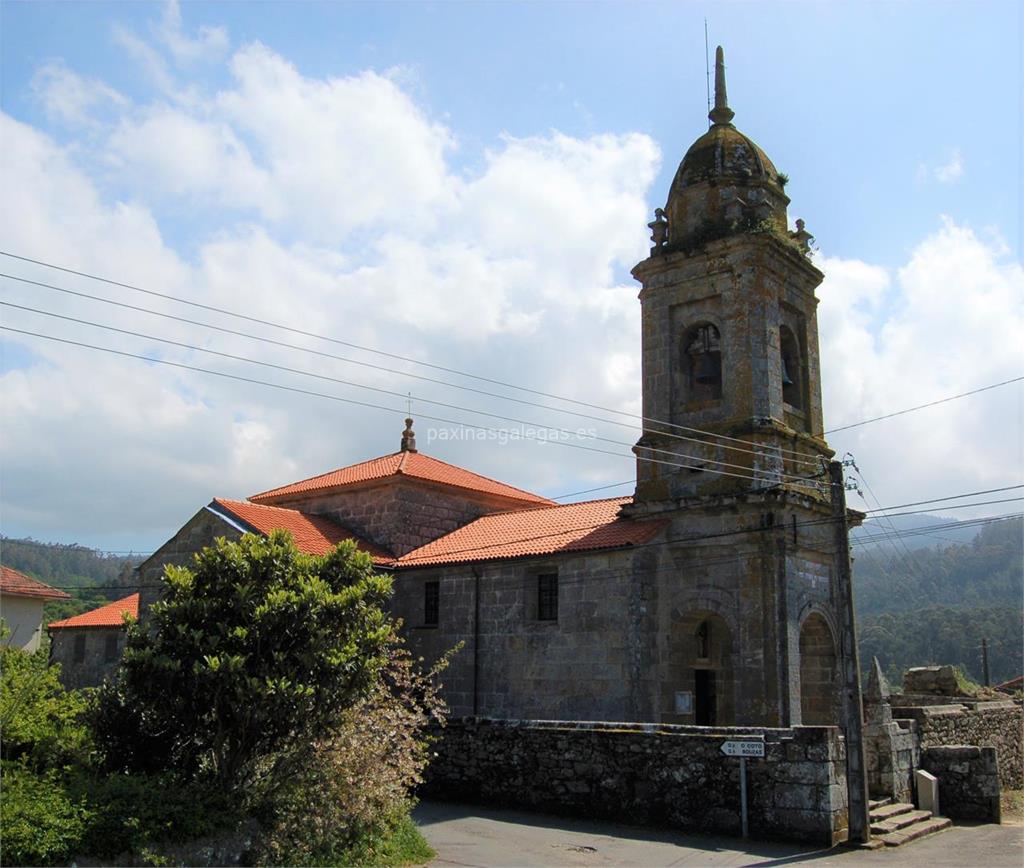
[467,186]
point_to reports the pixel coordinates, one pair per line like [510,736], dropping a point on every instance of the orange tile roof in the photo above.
[313,534]
[414,465]
[17,584]
[110,615]
[571,527]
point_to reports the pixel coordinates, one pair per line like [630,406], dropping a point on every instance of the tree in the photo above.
[250,660]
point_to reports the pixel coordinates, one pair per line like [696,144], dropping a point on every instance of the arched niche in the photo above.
[819,673]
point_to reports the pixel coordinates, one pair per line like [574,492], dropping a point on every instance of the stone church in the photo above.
[708,597]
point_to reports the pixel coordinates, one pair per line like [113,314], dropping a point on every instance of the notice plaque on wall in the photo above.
[684,702]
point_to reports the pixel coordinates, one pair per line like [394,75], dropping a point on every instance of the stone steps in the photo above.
[896,823]
[916,830]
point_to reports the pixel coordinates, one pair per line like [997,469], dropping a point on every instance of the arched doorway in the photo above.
[698,688]
[819,686]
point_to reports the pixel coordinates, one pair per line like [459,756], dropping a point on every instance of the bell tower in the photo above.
[731,379]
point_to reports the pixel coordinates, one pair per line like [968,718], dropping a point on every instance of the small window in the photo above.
[702,363]
[547,597]
[431,603]
[110,649]
[79,652]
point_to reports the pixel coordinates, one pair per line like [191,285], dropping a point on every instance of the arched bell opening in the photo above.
[792,363]
[702,362]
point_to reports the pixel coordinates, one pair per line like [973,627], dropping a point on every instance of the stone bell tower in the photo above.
[730,339]
[742,599]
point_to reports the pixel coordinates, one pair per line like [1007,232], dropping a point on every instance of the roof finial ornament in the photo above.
[408,437]
[721,113]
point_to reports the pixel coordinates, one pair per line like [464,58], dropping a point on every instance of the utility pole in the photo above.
[853,714]
[984,662]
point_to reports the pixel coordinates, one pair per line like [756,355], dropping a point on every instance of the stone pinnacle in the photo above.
[721,113]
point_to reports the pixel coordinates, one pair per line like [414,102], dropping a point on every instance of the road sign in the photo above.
[743,748]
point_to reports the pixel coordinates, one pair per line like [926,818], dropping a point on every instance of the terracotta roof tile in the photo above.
[313,534]
[414,465]
[110,615]
[572,527]
[17,584]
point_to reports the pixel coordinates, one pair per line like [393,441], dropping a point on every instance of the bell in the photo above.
[707,370]
[787,380]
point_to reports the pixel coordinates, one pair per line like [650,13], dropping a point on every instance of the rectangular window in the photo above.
[547,597]
[431,603]
[79,654]
[110,650]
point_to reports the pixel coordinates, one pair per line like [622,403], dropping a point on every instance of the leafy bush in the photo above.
[276,679]
[360,777]
[129,813]
[42,722]
[41,823]
[249,660]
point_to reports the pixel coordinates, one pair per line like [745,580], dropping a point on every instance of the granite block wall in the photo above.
[968,781]
[664,775]
[999,725]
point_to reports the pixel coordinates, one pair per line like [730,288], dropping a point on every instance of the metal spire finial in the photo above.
[721,113]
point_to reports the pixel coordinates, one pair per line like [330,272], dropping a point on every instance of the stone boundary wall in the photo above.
[675,776]
[987,724]
[968,781]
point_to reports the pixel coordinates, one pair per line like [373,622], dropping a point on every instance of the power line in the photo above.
[950,497]
[384,353]
[599,488]
[923,406]
[563,431]
[383,368]
[308,392]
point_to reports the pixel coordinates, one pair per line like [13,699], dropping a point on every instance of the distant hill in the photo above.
[935,605]
[986,570]
[92,578]
[915,532]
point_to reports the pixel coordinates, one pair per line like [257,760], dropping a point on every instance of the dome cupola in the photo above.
[725,183]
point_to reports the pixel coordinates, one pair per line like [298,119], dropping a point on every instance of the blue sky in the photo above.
[468,184]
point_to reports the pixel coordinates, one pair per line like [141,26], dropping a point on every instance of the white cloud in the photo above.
[952,170]
[210,43]
[946,173]
[947,322]
[71,98]
[171,152]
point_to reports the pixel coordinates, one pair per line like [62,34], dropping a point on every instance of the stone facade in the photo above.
[197,533]
[87,656]
[666,775]
[626,644]
[968,781]
[402,514]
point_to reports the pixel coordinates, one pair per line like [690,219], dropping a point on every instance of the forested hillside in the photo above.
[936,605]
[92,578]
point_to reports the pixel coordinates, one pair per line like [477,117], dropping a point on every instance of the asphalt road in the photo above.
[467,835]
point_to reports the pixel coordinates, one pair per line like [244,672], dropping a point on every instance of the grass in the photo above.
[1012,807]
[402,845]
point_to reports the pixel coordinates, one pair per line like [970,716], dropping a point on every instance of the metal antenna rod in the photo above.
[707,67]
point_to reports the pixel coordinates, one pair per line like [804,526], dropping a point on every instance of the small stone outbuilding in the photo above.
[88,646]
